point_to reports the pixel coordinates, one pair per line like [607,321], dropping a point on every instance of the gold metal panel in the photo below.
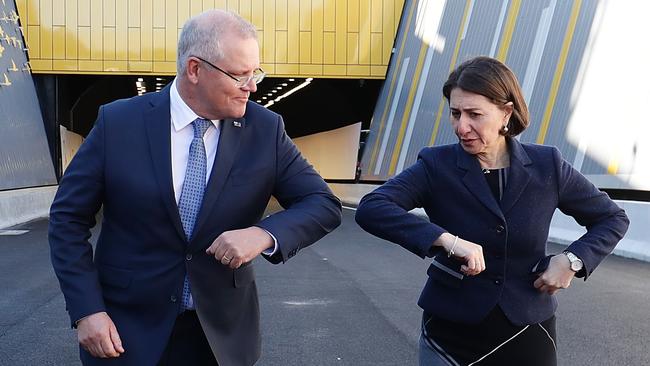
[46,30]
[364,32]
[83,43]
[34,42]
[287,69]
[70,65]
[293,37]
[182,12]
[140,66]
[96,31]
[317,32]
[311,70]
[329,38]
[71,26]
[378,71]
[376,16]
[334,70]
[83,12]
[281,47]
[329,45]
[58,12]
[58,38]
[281,14]
[353,48]
[109,13]
[268,41]
[146,34]
[305,47]
[159,45]
[133,13]
[376,48]
[93,66]
[341,32]
[109,44]
[196,6]
[245,8]
[353,15]
[329,15]
[358,70]
[115,66]
[305,15]
[134,44]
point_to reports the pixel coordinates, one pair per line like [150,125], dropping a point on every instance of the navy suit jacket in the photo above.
[142,255]
[449,184]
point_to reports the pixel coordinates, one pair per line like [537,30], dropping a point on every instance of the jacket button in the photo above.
[497,282]
[172,298]
[500,229]
[188,256]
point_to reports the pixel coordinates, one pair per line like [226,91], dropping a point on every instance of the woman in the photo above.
[490,199]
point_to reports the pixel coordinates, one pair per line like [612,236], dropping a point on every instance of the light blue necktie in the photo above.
[192,193]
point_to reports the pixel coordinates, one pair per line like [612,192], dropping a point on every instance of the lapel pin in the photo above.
[236,123]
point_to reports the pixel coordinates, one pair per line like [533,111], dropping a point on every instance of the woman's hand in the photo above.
[557,276]
[470,253]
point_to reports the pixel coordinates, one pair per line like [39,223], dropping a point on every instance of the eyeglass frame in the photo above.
[242,81]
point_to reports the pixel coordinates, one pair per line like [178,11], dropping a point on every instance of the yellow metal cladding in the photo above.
[308,38]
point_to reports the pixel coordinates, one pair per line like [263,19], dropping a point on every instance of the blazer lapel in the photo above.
[158,126]
[229,139]
[474,180]
[518,176]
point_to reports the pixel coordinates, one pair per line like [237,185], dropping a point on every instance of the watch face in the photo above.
[576,265]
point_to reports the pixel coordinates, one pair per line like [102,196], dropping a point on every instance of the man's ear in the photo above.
[192,70]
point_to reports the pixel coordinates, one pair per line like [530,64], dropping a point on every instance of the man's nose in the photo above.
[250,86]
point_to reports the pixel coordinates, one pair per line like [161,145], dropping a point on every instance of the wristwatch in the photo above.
[576,263]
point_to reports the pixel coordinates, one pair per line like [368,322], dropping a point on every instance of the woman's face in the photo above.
[477,120]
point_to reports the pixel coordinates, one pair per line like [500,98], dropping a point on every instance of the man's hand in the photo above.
[236,247]
[558,275]
[97,335]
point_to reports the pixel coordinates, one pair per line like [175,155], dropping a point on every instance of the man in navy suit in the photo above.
[184,176]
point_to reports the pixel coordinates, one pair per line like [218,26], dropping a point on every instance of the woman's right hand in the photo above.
[470,253]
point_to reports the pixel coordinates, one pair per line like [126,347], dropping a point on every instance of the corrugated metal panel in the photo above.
[310,38]
[24,156]
[544,42]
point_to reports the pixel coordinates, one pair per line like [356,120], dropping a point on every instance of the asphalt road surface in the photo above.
[350,299]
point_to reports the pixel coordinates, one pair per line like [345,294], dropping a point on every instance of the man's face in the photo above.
[218,94]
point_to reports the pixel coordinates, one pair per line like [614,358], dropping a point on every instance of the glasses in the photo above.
[240,81]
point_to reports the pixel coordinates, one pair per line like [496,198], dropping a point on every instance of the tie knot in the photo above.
[200,126]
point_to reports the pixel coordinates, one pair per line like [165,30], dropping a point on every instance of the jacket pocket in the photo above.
[244,275]
[446,272]
[113,276]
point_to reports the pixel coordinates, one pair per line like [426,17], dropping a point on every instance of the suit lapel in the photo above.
[518,176]
[158,126]
[474,181]
[229,139]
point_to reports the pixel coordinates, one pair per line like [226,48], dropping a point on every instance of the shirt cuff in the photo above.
[270,251]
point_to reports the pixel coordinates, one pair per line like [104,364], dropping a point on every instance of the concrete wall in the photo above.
[333,153]
[22,205]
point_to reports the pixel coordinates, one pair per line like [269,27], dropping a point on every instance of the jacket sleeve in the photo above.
[385,211]
[311,210]
[72,215]
[605,221]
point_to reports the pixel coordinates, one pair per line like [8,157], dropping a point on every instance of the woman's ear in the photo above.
[508,108]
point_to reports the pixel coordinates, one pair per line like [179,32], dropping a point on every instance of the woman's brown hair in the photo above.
[492,79]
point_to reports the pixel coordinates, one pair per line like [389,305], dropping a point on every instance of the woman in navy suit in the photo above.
[490,199]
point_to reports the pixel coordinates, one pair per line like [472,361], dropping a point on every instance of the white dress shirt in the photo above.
[182,134]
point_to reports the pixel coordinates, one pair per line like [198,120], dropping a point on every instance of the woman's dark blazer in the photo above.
[449,184]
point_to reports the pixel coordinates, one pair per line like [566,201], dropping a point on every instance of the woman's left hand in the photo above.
[557,276]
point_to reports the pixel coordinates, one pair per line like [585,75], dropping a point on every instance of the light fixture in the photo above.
[284,84]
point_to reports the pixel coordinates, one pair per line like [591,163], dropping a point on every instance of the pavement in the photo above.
[349,299]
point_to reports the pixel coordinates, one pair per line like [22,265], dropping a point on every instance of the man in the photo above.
[184,176]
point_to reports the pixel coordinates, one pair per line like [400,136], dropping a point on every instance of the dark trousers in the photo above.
[187,344]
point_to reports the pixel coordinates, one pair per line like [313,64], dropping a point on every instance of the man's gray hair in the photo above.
[202,33]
